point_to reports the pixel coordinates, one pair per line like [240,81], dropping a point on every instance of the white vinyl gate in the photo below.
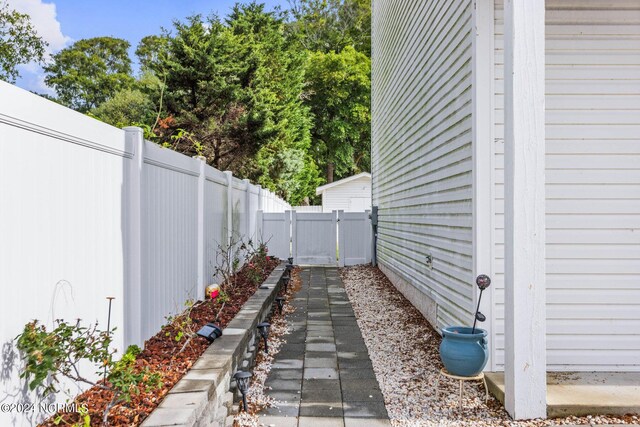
[318,238]
[354,238]
[314,238]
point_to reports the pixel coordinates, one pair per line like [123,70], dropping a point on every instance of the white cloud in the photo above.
[44,19]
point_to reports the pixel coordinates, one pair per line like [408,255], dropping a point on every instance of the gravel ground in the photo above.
[256,397]
[406,362]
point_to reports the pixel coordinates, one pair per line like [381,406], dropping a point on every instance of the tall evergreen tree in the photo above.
[277,120]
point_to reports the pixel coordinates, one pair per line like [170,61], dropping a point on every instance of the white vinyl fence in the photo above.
[318,238]
[88,211]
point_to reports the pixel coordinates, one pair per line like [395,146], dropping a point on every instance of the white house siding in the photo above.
[593,185]
[341,196]
[421,152]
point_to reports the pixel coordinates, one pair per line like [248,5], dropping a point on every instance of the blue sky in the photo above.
[60,22]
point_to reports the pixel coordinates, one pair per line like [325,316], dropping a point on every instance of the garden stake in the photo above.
[104,375]
[483,281]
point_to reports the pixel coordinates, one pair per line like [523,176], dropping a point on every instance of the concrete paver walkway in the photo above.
[323,376]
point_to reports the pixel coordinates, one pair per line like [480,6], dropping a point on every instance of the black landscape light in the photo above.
[242,380]
[290,259]
[210,331]
[280,301]
[483,281]
[264,332]
[288,268]
[285,282]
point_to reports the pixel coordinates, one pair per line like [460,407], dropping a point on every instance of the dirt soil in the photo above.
[162,354]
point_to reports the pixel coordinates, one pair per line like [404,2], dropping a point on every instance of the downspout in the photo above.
[374,235]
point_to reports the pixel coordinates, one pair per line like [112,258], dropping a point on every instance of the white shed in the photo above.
[352,194]
[506,141]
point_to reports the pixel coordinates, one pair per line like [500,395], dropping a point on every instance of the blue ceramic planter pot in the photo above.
[463,353]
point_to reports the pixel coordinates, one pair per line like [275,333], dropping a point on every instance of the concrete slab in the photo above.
[279,421]
[329,347]
[583,393]
[320,373]
[288,364]
[365,410]
[321,362]
[286,374]
[327,395]
[315,409]
[319,422]
[367,422]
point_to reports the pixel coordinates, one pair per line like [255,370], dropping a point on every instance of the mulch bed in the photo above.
[162,354]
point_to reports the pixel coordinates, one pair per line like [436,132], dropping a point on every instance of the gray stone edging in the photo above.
[203,397]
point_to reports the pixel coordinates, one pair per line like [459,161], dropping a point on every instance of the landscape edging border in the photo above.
[204,396]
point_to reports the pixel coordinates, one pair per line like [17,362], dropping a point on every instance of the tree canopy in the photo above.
[340,86]
[19,42]
[89,72]
[281,98]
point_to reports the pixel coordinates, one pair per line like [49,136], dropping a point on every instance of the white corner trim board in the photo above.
[525,316]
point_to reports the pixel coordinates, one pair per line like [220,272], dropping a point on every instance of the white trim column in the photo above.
[525,318]
[483,66]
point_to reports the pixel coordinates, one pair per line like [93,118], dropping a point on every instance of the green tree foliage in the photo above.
[134,106]
[19,42]
[125,108]
[277,121]
[340,87]
[90,72]
[332,25]
[233,94]
[271,100]
[151,49]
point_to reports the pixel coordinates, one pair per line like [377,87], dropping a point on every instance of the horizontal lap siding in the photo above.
[421,148]
[593,185]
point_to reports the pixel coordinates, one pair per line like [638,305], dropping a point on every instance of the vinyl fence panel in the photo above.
[89,211]
[169,233]
[275,232]
[62,223]
[215,220]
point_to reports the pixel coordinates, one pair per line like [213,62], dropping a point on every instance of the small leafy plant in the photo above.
[50,355]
